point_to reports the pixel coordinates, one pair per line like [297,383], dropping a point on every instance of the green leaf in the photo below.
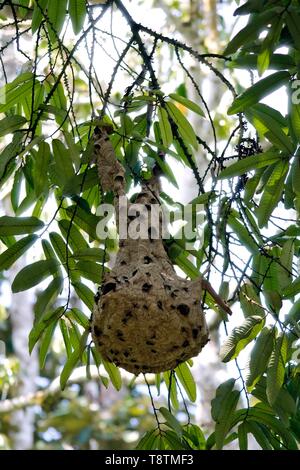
[187,103]
[90,270]
[260,356]
[285,265]
[171,421]
[14,92]
[258,91]
[47,297]
[256,24]
[77,11]
[243,436]
[184,127]
[249,61]
[295,121]
[37,15]
[165,128]
[240,337]
[19,225]
[63,167]
[173,442]
[45,342]
[40,169]
[187,380]
[250,163]
[79,317]
[33,274]
[73,236]
[259,435]
[276,369]
[114,374]
[292,19]
[147,441]
[64,254]
[270,123]
[8,257]
[81,182]
[96,255]
[47,319]
[56,13]
[244,235]
[272,193]
[85,294]
[73,360]
[8,156]
[11,124]
[84,219]
[222,408]
[172,388]
[250,301]
[291,290]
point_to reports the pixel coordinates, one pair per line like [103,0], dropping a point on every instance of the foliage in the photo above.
[46,164]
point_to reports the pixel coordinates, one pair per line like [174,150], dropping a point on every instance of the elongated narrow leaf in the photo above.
[272,192]
[222,408]
[47,297]
[293,21]
[171,388]
[37,15]
[45,342]
[250,301]
[271,123]
[89,270]
[73,360]
[285,265]
[85,294]
[258,91]
[79,317]
[171,420]
[84,219]
[256,24]
[97,255]
[47,319]
[293,289]
[240,337]
[260,356]
[147,441]
[73,236]
[33,274]
[8,257]
[19,225]
[64,255]
[114,374]
[187,380]
[250,163]
[8,156]
[56,15]
[184,127]
[244,235]
[243,436]
[41,168]
[14,92]
[63,166]
[77,11]
[275,373]
[10,124]
[165,128]
[187,103]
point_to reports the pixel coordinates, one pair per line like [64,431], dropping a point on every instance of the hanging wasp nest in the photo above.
[146,318]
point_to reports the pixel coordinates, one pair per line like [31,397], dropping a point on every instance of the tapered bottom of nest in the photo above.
[148,333]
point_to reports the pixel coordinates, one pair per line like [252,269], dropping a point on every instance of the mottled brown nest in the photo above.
[146,318]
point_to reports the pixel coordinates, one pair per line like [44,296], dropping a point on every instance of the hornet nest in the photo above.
[145,317]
